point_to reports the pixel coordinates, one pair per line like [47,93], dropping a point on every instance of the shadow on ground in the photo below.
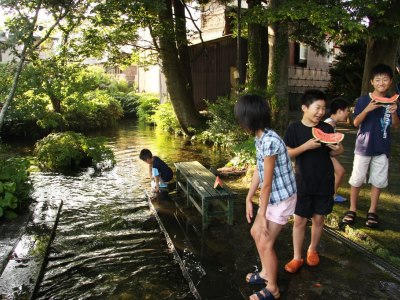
[218,259]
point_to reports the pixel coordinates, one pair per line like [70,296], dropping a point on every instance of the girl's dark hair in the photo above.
[381,69]
[310,96]
[338,103]
[252,113]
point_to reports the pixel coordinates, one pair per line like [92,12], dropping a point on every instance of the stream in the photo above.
[108,244]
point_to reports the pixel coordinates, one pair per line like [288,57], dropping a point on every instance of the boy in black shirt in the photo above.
[314,176]
[159,171]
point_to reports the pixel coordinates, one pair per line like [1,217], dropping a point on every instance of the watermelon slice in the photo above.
[327,138]
[384,100]
[218,183]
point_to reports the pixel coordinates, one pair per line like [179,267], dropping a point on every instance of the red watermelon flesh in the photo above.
[384,100]
[327,138]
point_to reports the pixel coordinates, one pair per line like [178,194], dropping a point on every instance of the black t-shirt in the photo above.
[166,173]
[314,168]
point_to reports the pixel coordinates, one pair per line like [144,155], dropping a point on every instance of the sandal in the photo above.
[255,278]
[312,258]
[372,220]
[294,265]
[264,294]
[349,217]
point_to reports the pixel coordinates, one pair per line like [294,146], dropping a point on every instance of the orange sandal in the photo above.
[294,265]
[312,258]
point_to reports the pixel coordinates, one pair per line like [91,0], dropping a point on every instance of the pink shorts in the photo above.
[280,213]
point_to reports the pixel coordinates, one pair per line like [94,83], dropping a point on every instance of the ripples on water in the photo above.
[107,243]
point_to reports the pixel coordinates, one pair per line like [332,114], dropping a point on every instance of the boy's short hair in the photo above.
[145,154]
[252,113]
[381,69]
[310,96]
[338,103]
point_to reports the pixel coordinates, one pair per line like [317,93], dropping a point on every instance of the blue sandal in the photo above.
[255,278]
[264,294]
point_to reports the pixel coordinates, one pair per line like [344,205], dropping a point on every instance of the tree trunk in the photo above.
[175,68]
[379,51]
[257,67]
[278,74]
[14,85]
[182,42]
[27,43]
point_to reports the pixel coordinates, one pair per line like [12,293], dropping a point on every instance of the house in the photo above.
[214,59]
[46,49]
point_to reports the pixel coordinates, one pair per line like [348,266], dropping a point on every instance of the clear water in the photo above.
[108,245]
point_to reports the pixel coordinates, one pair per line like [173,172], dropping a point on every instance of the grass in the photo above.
[384,241]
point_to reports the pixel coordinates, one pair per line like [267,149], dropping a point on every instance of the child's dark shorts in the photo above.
[308,205]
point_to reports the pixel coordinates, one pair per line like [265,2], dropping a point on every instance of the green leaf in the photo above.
[10,215]
[11,200]
[3,202]
[9,187]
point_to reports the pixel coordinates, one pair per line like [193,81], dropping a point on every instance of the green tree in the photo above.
[172,46]
[374,22]
[382,35]
[278,71]
[257,64]
[347,73]
[166,24]
[23,24]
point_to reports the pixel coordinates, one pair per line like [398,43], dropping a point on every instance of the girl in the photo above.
[274,174]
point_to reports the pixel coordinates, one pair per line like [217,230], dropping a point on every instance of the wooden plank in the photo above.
[205,178]
[210,179]
[190,171]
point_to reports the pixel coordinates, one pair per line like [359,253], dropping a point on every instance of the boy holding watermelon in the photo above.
[314,176]
[374,114]
[274,174]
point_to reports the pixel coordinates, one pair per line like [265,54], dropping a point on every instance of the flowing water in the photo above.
[108,245]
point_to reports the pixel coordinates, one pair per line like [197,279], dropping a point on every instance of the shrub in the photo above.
[222,128]
[85,79]
[165,118]
[244,154]
[84,106]
[14,185]
[128,101]
[70,151]
[95,109]
[119,85]
[30,114]
[146,106]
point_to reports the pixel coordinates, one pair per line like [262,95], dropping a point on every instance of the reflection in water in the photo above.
[108,245]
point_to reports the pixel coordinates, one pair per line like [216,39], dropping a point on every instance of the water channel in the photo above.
[108,244]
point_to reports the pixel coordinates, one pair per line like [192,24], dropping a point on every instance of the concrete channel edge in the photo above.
[24,264]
